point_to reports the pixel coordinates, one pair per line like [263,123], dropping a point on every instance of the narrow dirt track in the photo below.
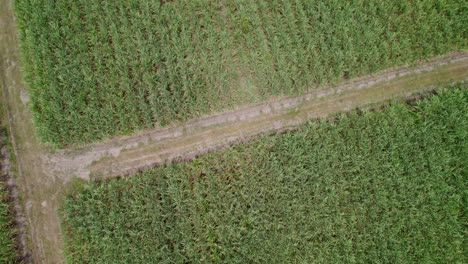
[125,155]
[38,187]
[43,177]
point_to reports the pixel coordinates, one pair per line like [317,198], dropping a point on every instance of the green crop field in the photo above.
[102,68]
[375,187]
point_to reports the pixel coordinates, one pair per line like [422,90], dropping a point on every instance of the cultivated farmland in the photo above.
[373,187]
[97,69]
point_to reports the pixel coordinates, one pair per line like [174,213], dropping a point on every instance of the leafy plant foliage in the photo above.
[101,68]
[376,187]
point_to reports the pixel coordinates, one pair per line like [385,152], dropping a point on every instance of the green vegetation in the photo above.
[375,187]
[98,68]
[8,250]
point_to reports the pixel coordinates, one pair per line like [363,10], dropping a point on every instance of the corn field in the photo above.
[101,68]
[375,187]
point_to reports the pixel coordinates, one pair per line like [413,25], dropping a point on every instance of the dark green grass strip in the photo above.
[8,249]
[377,187]
[97,69]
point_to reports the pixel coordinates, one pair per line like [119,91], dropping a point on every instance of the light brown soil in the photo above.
[39,187]
[43,177]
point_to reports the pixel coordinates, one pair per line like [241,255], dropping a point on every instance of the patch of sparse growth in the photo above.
[376,187]
[97,69]
[8,248]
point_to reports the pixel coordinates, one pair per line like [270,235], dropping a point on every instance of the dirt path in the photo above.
[38,188]
[124,155]
[43,177]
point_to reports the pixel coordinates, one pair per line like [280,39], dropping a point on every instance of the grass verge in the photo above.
[8,245]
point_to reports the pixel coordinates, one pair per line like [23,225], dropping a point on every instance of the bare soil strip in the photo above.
[43,177]
[38,187]
[125,155]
